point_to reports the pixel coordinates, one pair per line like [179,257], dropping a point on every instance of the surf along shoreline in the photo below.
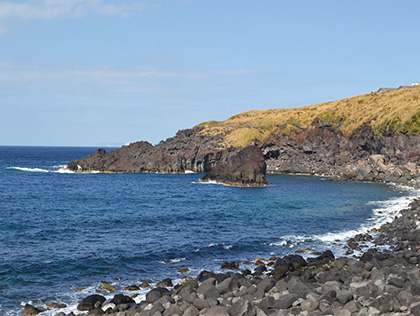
[383,279]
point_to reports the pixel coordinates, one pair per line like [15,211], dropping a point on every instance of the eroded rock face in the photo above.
[320,149]
[363,155]
[187,151]
[246,168]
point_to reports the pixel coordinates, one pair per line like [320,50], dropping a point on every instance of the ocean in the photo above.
[62,231]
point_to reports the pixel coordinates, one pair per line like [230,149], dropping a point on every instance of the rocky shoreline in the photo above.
[384,280]
[322,149]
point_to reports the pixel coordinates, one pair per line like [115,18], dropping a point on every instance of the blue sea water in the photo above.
[62,231]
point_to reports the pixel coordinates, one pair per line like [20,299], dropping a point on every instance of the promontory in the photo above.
[370,137]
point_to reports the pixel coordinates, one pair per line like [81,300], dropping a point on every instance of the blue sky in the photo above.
[107,72]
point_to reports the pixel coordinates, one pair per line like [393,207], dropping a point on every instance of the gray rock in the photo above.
[188,294]
[224,286]
[281,286]
[344,296]
[190,311]
[172,310]
[286,301]
[351,306]
[217,311]
[309,305]
[415,309]
[200,303]
[153,296]
[296,286]
[208,289]
[242,308]
[157,307]
[343,312]
[266,284]
[267,304]
[323,305]
[404,298]
[397,282]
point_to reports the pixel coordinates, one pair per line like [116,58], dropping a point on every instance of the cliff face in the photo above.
[363,155]
[246,168]
[185,151]
[370,137]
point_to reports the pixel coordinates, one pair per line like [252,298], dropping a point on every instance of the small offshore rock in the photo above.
[165,283]
[55,305]
[131,288]
[106,286]
[245,168]
[230,265]
[31,310]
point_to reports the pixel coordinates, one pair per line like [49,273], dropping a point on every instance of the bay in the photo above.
[61,231]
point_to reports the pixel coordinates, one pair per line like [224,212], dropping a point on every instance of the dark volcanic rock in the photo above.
[187,150]
[320,149]
[31,310]
[362,155]
[246,168]
[90,302]
[230,265]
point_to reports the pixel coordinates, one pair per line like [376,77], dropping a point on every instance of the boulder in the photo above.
[122,299]
[165,283]
[230,265]
[246,168]
[31,310]
[106,286]
[90,302]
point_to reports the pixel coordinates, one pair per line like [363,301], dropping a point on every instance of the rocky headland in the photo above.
[373,137]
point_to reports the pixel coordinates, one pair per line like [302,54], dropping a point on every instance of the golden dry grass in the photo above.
[399,109]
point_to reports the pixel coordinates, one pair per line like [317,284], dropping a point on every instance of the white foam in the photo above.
[189,171]
[55,169]
[28,169]
[176,260]
[292,241]
[63,170]
[385,212]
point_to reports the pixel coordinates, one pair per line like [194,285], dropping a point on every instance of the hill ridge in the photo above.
[398,110]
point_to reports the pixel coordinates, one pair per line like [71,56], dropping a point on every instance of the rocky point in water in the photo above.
[355,138]
[245,168]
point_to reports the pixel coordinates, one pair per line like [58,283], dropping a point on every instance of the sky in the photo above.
[108,72]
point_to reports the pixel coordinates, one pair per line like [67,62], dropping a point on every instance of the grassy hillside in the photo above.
[399,109]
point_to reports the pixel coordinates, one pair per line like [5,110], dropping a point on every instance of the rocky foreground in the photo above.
[377,283]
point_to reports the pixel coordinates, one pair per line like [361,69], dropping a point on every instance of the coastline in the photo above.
[228,303]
